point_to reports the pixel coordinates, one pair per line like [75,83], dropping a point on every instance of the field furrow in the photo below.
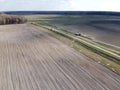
[30,59]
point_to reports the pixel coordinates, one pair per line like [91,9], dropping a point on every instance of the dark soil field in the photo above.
[100,28]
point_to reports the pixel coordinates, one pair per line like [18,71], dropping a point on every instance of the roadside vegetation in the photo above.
[104,54]
[95,27]
[11,19]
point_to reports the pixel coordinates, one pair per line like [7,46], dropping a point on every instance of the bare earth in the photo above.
[30,59]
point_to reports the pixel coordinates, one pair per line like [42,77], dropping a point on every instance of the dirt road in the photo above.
[32,60]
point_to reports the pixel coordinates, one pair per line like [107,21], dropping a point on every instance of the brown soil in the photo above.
[30,59]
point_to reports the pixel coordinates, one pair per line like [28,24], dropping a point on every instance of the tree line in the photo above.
[11,19]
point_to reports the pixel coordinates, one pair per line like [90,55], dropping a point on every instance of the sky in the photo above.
[60,5]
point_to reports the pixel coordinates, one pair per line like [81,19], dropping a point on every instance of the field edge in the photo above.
[115,67]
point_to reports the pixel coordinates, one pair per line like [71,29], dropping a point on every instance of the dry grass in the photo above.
[11,19]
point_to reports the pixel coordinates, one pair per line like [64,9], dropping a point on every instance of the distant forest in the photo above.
[11,19]
[65,13]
